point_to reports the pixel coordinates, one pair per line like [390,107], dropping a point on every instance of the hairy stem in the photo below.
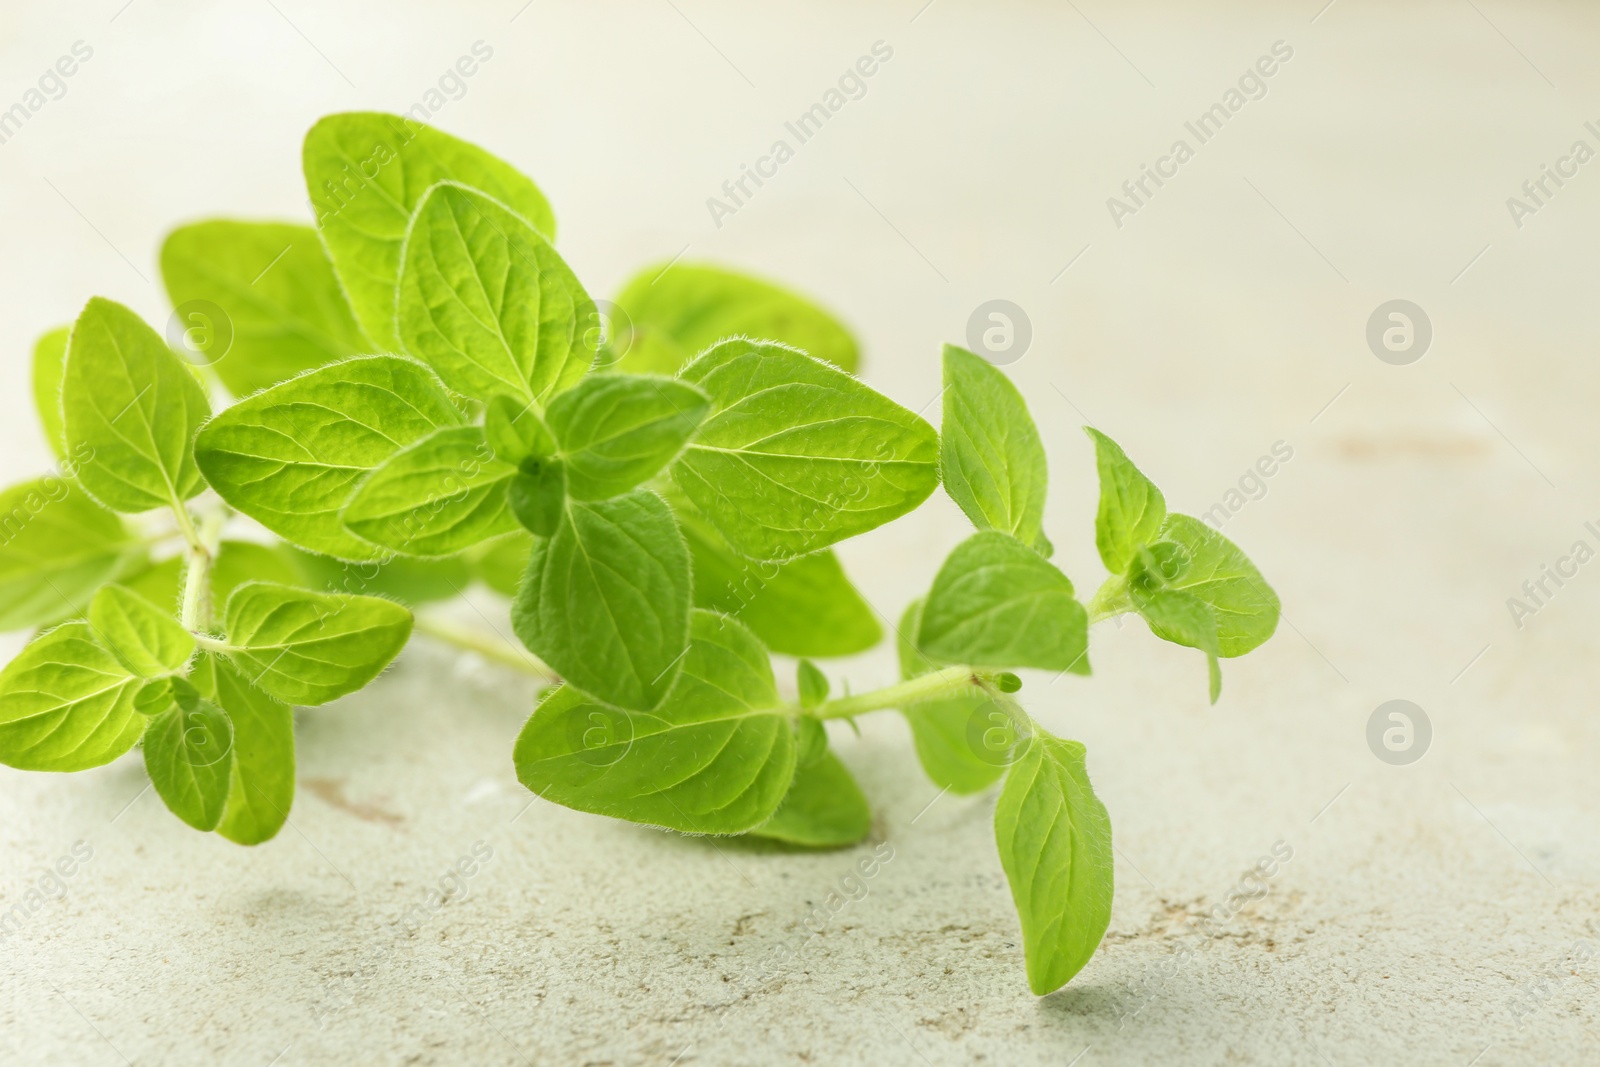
[936,685]
[486,645]
[198,557]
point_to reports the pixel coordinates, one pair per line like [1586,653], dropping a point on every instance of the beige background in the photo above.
[1432,913]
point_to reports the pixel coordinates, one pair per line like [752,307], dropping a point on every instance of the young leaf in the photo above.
[537,494]
[805,606]
[158,695]
[998,603]
[715,757]
[188,753]
[618,431]
[992,460]
[290,457]
[49,364]
[261,783]
[283,310]
[813,684]
[66,704]
[440,494]
[516,432]
[1131,510]
[366,171]
[56,548]
[942,729]
[798,454]
[1245,607]
[672,313]
[310,648]
[606,599]
[136,406]
[147,640]
[824,808]
[486,302]
[1055,844]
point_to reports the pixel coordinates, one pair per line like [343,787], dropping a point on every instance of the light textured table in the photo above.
[1445,912]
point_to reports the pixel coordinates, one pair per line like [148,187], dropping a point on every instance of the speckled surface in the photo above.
[1442,912]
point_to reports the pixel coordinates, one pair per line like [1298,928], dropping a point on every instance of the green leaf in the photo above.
[486,302]
[290,457]
[1183,619]
[673,312]
[803,607]
[158,695]
[188,753]
[810,740]
[261,784]
[516,432]
[942,729]
[49,365]
[824,808]
[437,496]
[619,431]
[135,406]
[365,172]
[239,562]
[160,582]
[147,640]
[716,757]
[813,684]
[410,581]
[501,563]
[606,600]
[1131,510]
[998,603]
[57,547]
[990,455]
[282,311]
[310,648]
[798,455]
[66,704]
[537,494]
[1245,606]
[1055,844]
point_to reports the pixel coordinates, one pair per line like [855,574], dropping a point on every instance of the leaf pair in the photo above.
[261,301]
[462,485]
[792,456]
[1052,832]
[1191,585]
[997,601]
[220,751]
[80,695]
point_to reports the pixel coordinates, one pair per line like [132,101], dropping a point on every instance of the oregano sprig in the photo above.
[423,396]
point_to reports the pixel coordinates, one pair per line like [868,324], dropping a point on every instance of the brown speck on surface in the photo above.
[331,791]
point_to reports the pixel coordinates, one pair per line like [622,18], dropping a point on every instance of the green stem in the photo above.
[486,645]
[936,685]
[201,552]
